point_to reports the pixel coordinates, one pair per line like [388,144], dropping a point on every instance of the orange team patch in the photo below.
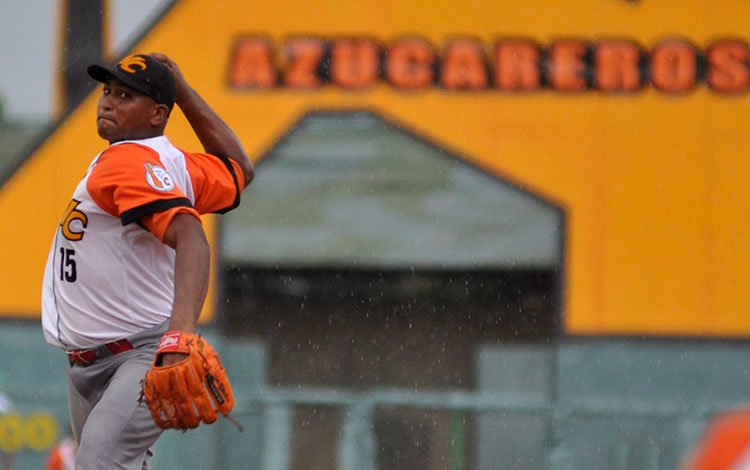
[158,178]
[128,63]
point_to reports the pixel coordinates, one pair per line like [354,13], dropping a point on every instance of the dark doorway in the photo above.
[372,328]
[360,330]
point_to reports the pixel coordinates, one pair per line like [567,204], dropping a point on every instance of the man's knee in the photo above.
[108,448]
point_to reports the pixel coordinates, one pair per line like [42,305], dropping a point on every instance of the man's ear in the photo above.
[160,115]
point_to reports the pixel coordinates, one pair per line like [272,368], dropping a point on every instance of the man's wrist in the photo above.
[183,327]
[185,94]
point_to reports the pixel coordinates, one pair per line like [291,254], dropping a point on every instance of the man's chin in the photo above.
[106,133]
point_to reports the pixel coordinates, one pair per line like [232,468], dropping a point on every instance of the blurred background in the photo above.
[507,235]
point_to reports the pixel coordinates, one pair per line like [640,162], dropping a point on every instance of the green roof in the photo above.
[353,190]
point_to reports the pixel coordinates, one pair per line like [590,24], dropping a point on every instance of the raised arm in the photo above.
[214,134]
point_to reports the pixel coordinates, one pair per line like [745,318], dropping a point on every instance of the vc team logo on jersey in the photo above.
[158,178]
[73,222]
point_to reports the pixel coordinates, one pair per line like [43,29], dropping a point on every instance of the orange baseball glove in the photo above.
[194,390]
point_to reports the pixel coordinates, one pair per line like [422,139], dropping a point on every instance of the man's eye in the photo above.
[106,91]
[124,95]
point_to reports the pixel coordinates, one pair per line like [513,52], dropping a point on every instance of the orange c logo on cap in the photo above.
[134,60]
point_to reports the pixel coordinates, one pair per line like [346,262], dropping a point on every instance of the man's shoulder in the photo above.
[129,151]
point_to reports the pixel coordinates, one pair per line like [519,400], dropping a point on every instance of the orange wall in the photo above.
[653,184]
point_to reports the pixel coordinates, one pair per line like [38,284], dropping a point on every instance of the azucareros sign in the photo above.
[673,65]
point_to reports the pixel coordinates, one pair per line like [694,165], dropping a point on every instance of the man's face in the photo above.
[124,113]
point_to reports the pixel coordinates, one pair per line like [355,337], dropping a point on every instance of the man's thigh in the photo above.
[119,429]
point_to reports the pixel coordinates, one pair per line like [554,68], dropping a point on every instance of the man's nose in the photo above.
[106,102]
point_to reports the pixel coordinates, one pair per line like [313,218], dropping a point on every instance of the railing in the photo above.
[357,447]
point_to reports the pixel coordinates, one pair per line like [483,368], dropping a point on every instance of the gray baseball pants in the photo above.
[112,428]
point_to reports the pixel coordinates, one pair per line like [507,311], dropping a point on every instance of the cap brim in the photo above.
[103,75]
[99,73]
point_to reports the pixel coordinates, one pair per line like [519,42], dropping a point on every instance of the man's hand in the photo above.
[182,86]
[167,359]
[183,394]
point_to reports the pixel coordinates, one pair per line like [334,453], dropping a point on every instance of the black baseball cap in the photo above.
[143,73]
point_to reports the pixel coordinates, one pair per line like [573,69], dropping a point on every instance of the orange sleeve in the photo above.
[217,182]
[158,222]
[129,182]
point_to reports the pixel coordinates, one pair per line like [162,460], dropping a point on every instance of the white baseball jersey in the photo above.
[108,273]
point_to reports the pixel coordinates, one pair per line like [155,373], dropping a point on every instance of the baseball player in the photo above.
[128,270]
